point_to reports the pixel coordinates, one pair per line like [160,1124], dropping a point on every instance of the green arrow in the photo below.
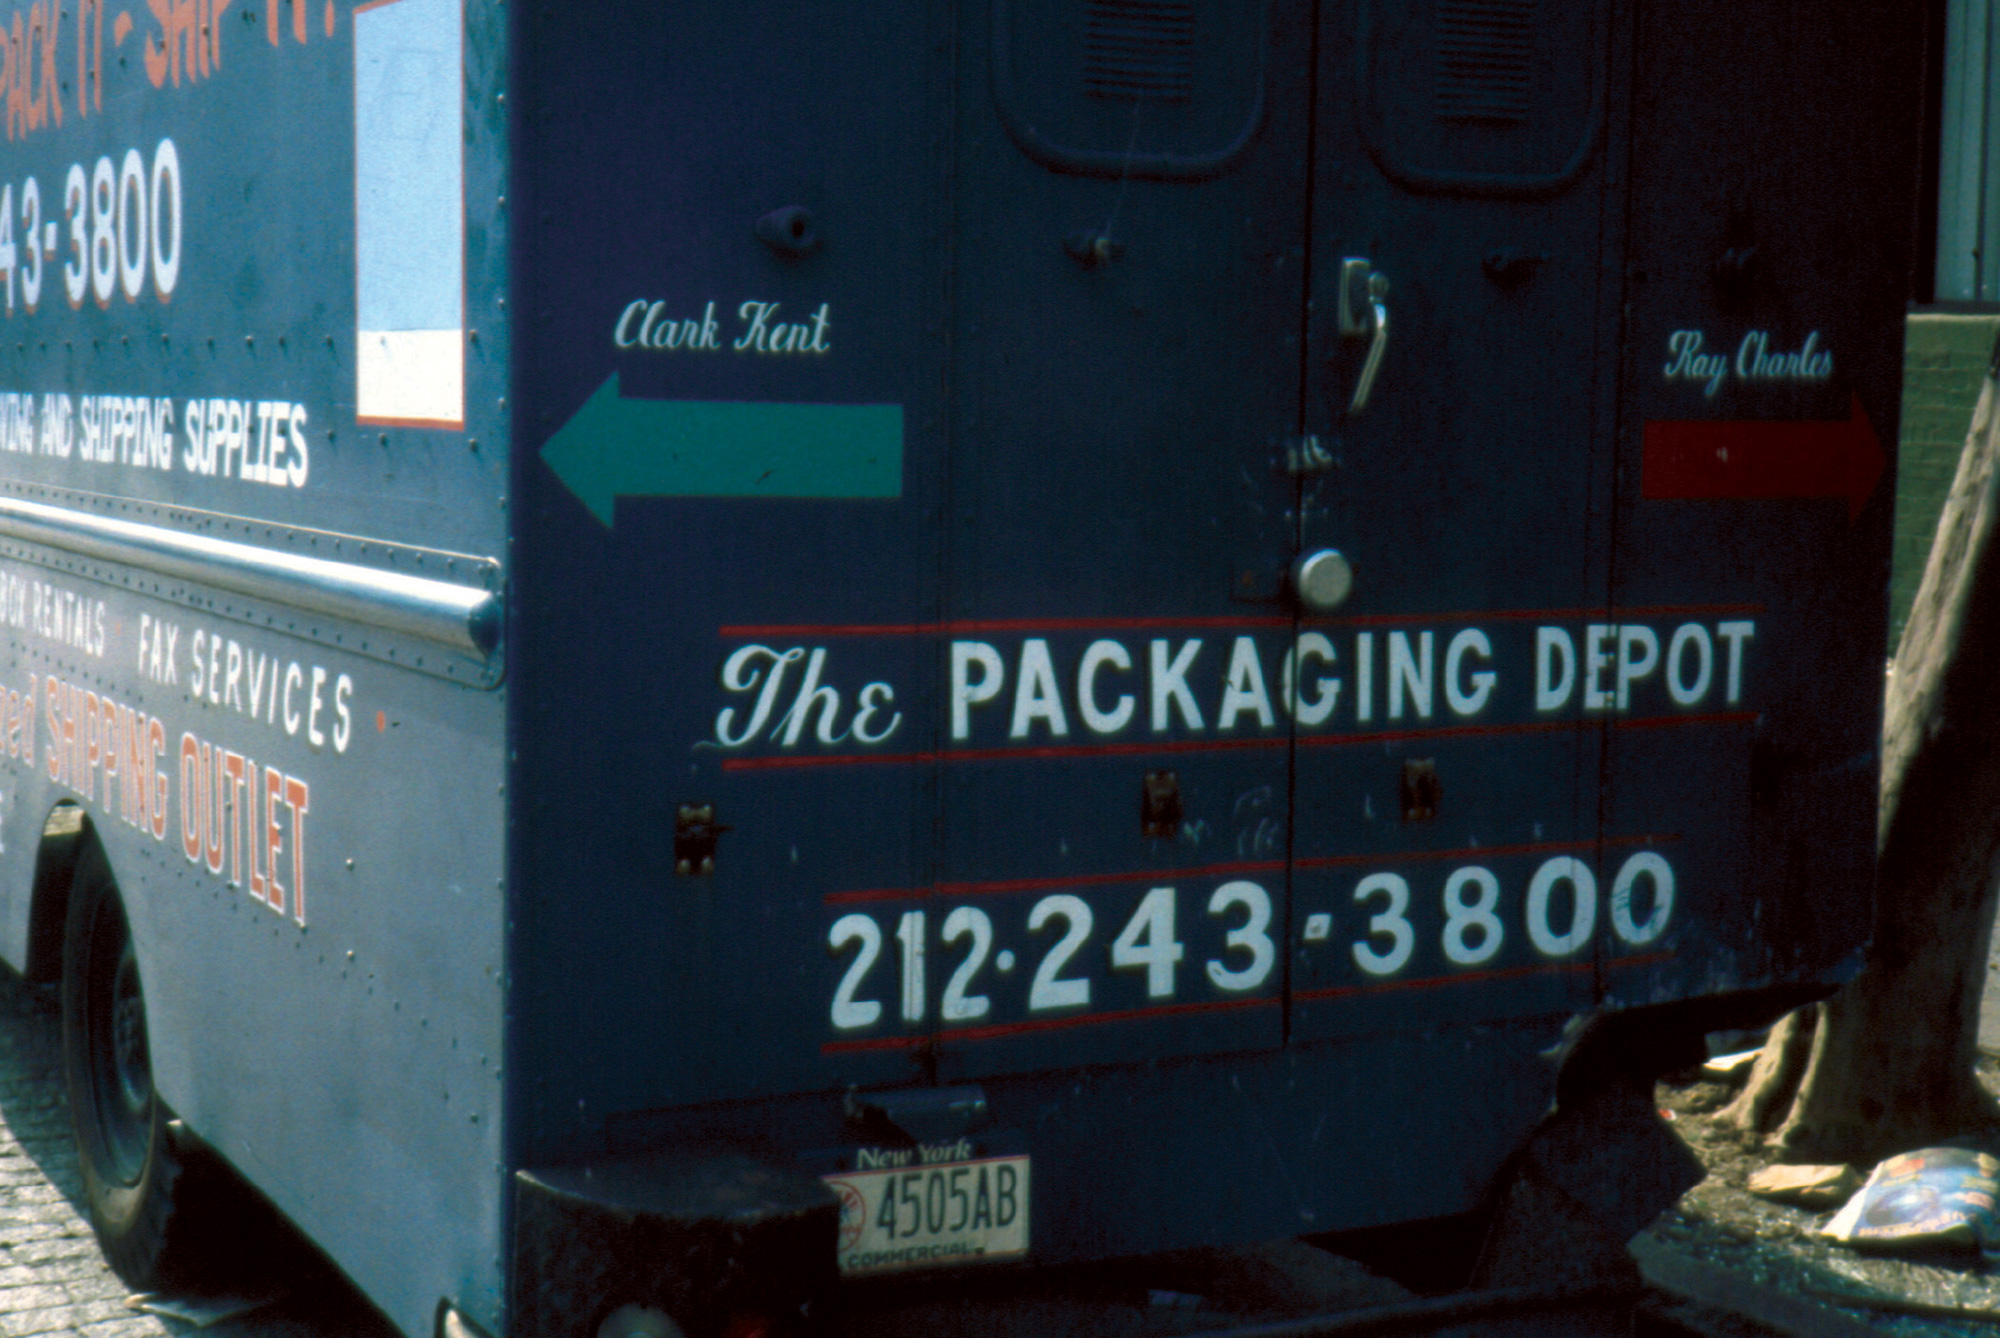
[616,447]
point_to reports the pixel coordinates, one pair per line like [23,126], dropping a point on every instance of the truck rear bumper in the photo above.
[712,1242]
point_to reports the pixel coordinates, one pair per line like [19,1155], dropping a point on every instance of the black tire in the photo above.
[132,1176]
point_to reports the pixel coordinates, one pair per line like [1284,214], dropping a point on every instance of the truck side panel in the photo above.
[252,512]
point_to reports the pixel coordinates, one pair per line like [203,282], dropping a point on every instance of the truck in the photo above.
[662,658]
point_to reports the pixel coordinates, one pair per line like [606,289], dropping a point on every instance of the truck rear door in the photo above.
[1185,810]
[1186,801]
[1129,311]
[1447,858]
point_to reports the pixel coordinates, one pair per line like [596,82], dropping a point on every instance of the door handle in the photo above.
[1364,315]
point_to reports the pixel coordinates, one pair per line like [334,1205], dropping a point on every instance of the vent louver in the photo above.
[1484,53]
[1139,50]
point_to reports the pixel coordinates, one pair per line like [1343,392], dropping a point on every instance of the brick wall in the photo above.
[1944,360]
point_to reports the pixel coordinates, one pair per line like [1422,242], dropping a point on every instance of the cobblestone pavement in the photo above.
[52,1279]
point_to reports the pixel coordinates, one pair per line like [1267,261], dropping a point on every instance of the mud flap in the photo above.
[1588,1180]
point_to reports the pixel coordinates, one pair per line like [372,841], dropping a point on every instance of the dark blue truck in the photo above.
[657,653]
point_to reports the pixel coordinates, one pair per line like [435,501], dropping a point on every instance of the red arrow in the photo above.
[1706,459]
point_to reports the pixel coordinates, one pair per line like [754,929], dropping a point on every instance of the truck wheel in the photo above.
[129,1167]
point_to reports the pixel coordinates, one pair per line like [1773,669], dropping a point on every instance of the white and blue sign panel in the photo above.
[409,215]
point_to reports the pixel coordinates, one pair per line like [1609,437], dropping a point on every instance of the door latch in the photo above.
[1160,809]
[1364,315]
[695,834]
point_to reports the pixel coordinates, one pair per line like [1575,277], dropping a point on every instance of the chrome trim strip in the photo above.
[461,617]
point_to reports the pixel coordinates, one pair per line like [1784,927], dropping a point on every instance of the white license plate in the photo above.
[936,1216]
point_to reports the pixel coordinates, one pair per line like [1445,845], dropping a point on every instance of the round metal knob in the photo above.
[1322,578]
